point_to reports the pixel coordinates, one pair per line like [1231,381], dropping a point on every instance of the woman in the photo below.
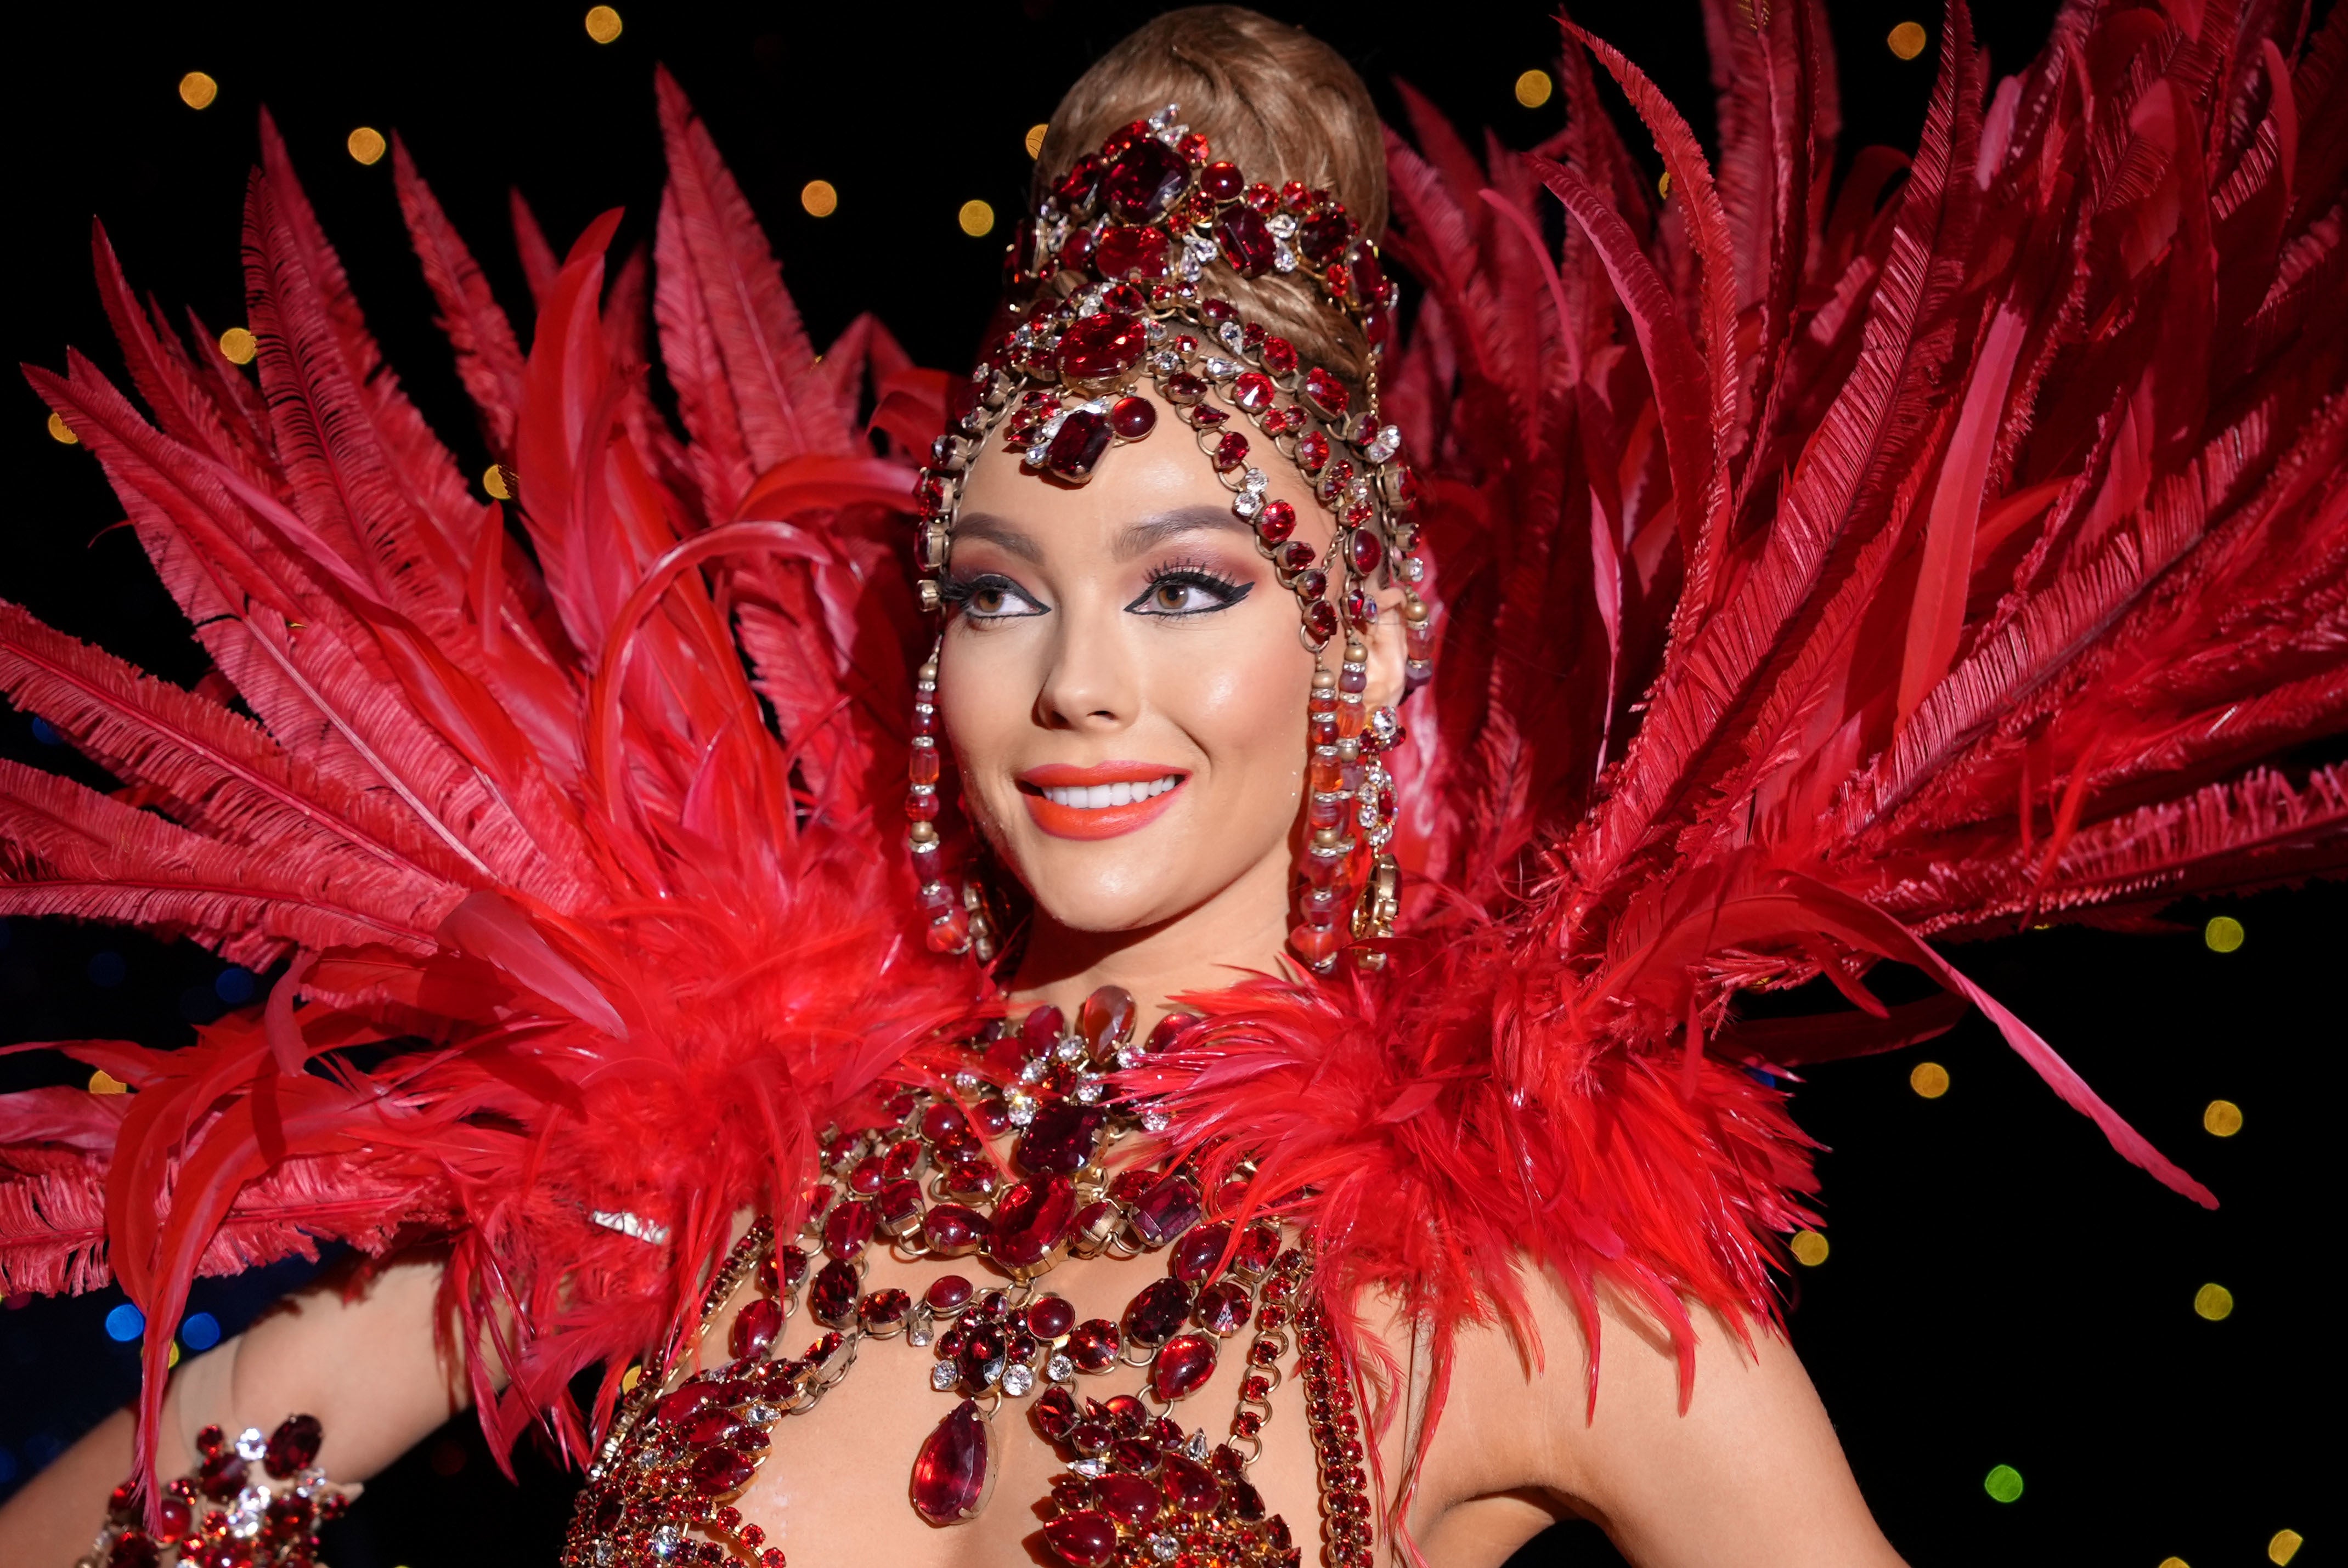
[1898,585]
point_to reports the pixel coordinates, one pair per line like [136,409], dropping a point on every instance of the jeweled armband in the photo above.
[253,1502]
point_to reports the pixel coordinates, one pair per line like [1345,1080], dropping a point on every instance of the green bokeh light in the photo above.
[2004,1483]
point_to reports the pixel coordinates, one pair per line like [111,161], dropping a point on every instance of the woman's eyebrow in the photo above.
[997,530]
[1146,535]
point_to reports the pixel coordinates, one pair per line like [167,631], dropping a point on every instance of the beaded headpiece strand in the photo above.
[1111,281]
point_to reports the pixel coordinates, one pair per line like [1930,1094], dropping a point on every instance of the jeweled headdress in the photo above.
[1112,280]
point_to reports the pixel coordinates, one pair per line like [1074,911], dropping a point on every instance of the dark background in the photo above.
[2003,1289]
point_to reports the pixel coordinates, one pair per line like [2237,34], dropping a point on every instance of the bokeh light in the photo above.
[2223,1118]
[1929,1078]
[603,24]
[238,346]
[60,431]
[1909,40]
[198,90]
[105,1082]
[1808,1247]
[107,969]
[233,985]
[1035,139]
[818,197]
[2004,1483]
[2223,934]
[366,144]
[125,1323]
[2283,1547]
[2214,1302]
[493,480]
[1664,185]
[201,1331]
[1533,88]
[976,217]
[2175,1563]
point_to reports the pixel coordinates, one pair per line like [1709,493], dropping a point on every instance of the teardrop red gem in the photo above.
[955,1468]
[1083,1538]
[1183,1367]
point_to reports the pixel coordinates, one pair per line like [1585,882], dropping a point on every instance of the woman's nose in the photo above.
[1091,683]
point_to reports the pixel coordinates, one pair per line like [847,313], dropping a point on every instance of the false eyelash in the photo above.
[1199,571]
[954,589]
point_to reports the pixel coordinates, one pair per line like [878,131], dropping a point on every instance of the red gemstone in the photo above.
[1101,347]
[755,1328]
[883,1311]
[904,1155]
[1363,549]
[1030,1221]
[1144,180]
[942,1123]
[1369,278]
[1261,197]
[1316,944]
[951,1229]
[1183,389]
[293,1446]
[1222,180]
[716,1471]
[1322,238]
[1327,392]
[1041,1029]
[948,1293]
[1129,253]
[1183,1367]
[1312,449]
[1106,1019]
[1321,621]
[712,1427]
[1083,438]
[1129,1499]
[898,1206]
[1153,1315]
[1050,1316]
[1244,1502]
[832,1297]
[1196,1253]
[1060,1139]
[684,1403]
[1207,415]
[1279,356]
[1230,451]
[1056,1412]
[980,1355]
[1165,1211]
[1076,185]
[955,1468]
[1245,240]
[1257,1249]
[1077,250]
[1222,1308]
[134,1549]
[1297,556]
[1133,418]
[1093,1345]
[847,1228]
[221,1475]
[1278,521]
[865,1178]
[1189,1486]
[1252,391]
[1084,1538]
[1219,311]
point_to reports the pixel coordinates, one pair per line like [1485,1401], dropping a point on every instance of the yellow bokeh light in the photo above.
[2223,934]
[1809,1248]
[2214,1302]
[1930,1080]
[61,431]
[818,197]
[172,1359]
[366,144]
[198,90]
[976,217]
[493,480]
[2223,1119]
[238,346]
[104,1082]
[2175,1563]
[2283,1547]
[1909,39]
[1664,185]
[630,1378]
[1035,139]
[603,24]
[1533,88]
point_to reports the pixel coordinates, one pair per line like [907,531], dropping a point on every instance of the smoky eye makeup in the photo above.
[987,595]
[1184,588]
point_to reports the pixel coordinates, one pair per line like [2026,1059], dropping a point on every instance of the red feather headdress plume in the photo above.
[1820,570]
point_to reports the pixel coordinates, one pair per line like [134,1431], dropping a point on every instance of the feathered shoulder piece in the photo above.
[521,814]
[1826,572]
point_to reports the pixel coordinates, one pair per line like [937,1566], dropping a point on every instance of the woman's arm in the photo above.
[364,1364]
[1749,1476]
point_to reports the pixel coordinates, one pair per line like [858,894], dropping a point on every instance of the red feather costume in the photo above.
[1821,570]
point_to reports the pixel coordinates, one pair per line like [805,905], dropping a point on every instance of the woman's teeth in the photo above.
[1093,797]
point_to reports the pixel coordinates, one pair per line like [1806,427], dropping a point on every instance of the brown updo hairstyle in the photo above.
[1274,99]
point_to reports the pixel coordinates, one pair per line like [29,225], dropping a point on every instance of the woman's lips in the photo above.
[1104,801]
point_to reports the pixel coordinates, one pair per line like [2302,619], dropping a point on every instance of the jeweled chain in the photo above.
[250,1502]
[661,1492]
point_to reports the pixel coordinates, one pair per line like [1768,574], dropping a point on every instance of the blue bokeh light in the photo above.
[233,985]
[107,969]
[126,1323]
[47,734]
[201,1331]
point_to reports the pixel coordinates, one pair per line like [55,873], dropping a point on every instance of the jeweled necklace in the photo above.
[1139,1489]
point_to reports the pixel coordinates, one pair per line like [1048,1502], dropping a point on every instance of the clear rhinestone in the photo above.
[1166,364]
[1130,1057]
[966,1081]
[762,1414]
[1017,1379]
[1383,445]
[603,1553]
[1231,335]
[1247,504]
[1070,1050]
[1035,455]
[1090,1092]
[1221,369]
[1284,256]
[1033,1072]
[1196,1447]
[665,1540]
[1089,1468]
[1164,1548]
[1020,1115]
[1059,1368]
[251,1445]
[1156,1121]
[944,1375]
[1281,224]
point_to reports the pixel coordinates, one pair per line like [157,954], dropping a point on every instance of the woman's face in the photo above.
[1123,685]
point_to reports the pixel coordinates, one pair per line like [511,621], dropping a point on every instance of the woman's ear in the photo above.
[1388,655]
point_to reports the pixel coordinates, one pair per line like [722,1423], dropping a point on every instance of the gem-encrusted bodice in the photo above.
[1139,1487]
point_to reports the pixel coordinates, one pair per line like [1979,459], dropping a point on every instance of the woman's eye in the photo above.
[1188,593]
[993,598]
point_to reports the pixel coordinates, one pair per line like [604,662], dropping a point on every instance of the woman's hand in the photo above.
[355,1349]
